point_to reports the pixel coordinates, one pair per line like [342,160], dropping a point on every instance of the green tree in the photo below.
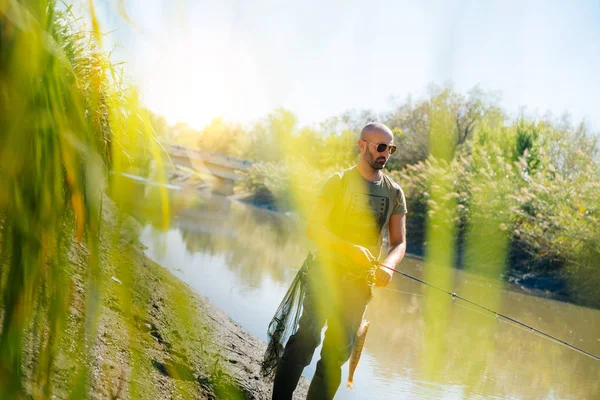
[222,137]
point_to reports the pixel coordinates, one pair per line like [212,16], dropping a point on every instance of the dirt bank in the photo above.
[155,338]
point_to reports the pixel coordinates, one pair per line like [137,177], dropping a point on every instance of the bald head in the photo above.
[376,128]
[376,145]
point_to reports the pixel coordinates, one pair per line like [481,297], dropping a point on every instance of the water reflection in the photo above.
[243,258]
[487,356]
[254,242]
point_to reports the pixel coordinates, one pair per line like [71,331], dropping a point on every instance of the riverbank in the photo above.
[155,338]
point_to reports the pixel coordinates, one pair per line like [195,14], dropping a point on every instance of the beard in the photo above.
[376,163]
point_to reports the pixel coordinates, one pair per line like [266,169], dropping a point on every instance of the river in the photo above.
[421,344]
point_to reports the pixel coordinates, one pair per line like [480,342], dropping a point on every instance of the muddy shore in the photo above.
[192,344]
[155,337]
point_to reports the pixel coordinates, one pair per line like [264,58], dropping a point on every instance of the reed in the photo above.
[70,126]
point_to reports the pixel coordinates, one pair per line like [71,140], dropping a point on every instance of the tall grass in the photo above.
[70,126]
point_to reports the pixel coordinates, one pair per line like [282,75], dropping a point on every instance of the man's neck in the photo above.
[370,174]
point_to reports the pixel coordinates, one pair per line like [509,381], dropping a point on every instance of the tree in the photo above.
[221,137]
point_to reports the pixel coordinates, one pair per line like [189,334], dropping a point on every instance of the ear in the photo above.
[361,145]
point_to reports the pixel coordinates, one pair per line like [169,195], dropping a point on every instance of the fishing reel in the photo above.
[370,275]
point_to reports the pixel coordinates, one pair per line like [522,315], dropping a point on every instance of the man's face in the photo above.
[374,158]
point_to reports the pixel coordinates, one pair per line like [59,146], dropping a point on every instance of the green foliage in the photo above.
[466,118]
[222,137]
[67,119]
[551,221]
[271,183]
[275,138]
[527,144]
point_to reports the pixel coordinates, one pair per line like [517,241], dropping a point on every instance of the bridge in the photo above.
[222,169]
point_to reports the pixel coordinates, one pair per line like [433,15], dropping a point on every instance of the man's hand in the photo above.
[361,256]
[383,276]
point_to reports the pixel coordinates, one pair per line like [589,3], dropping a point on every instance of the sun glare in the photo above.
[196,80]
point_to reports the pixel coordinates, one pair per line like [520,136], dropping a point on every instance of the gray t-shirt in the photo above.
[361,209]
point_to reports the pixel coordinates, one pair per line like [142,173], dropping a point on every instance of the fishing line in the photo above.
[403,292]
[487,315]
[497,314]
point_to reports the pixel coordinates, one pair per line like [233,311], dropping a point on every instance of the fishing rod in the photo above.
[498,314]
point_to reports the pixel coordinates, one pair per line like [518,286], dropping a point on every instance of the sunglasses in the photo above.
[381,147]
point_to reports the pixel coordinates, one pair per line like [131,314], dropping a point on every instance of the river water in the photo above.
[421,344]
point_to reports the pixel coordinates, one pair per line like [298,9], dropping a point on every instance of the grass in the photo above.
[68,118]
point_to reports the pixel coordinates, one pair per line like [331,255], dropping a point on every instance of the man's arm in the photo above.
[317,231]
[397,236]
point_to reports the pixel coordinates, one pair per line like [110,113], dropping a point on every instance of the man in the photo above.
[348,223]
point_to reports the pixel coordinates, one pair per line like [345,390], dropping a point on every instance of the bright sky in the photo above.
[194,60]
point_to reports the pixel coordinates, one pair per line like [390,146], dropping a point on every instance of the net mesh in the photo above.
[285,321]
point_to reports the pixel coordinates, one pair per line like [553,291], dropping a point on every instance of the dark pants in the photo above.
[340,300]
